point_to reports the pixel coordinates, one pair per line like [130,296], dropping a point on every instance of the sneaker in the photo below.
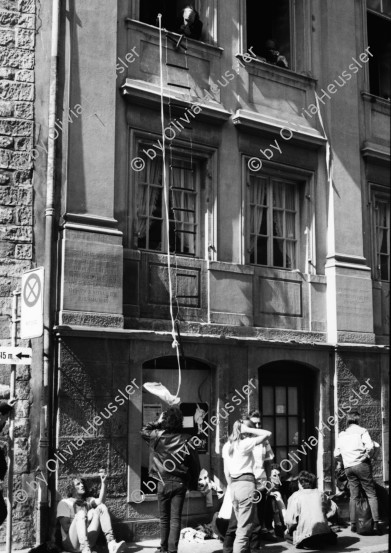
[353,527]
[117,546]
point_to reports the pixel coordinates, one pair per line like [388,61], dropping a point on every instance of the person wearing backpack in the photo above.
[355,447]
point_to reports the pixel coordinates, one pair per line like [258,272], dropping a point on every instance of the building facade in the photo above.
[277,179]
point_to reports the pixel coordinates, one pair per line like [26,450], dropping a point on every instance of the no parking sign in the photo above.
[31,315]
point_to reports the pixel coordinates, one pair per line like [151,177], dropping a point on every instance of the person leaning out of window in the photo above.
[189,23]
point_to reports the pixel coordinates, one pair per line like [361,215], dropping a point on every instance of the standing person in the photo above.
[305,516]
[5,410]
[175,474]
[82,518]
[355,447]
[239,472]
[263,455]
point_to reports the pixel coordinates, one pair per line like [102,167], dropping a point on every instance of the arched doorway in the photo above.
[195,395]
[288,401]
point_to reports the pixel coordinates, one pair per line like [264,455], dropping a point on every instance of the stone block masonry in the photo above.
[17,89]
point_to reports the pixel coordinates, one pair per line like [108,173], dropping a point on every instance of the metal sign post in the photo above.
[10,479]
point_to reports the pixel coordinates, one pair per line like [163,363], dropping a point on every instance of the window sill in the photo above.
[274,72]
[148,94]
[251,121]
[278,272]
[380,104]
[195,46]
[376,152]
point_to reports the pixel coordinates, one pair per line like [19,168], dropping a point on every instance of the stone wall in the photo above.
[356,370]
[17,41]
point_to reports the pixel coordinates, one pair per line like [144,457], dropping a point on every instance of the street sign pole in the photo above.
[10,478]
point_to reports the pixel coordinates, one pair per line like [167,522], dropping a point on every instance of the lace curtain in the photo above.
[257,210]
[184,214]
[149,196]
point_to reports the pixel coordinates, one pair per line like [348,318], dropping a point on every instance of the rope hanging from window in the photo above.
[175,343]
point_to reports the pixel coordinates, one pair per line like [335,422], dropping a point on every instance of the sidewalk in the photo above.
[347,541]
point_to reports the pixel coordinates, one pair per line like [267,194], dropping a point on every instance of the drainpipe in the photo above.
[47,376]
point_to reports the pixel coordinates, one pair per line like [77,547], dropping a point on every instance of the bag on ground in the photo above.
[363,516]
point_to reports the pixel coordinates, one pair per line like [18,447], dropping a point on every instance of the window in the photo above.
[272,25]
[379,41]
[183,176]
[196,391]
[273,221]
[170,10]
[381,6]
[382,237]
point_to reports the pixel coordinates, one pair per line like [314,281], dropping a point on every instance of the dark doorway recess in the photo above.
[287,403]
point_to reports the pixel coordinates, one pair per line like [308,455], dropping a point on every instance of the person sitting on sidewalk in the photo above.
[82,518]
[305,516]
[355,447]
[275,506]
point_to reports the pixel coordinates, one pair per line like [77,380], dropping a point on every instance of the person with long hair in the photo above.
[175,465]
[305,516]
[82,518]
[239,472]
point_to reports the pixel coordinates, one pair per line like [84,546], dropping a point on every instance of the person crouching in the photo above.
[305,516]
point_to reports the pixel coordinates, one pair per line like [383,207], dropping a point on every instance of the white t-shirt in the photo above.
[67,508]
[262,452]
[242,459]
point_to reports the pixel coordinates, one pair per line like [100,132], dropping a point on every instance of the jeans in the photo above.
[361,476]
[255,540]
[242,500]
[85,528]
[230,534]
[171,496]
